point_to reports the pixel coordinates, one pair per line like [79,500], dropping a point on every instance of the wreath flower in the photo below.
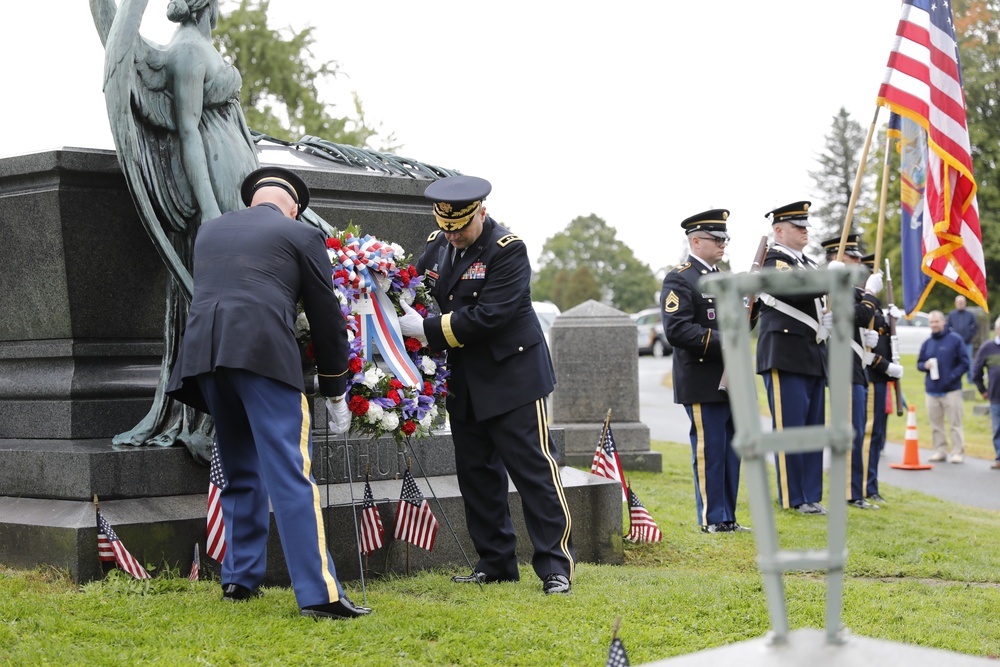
[379,403]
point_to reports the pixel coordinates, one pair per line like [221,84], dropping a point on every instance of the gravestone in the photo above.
[596,356]
[81,322]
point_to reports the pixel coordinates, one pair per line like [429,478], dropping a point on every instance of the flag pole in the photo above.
[409,462]
[604,431]
[856,190]
[883,197]
[354,514]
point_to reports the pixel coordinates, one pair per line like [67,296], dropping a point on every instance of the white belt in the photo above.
[777,304]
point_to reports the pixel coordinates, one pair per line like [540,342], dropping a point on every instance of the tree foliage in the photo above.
[589,243]
[573,288]
[280,95]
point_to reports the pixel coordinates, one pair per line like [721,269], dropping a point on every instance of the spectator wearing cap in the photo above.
[988,360]
[791,360]
[691,324]
[865,338]
[239,362]
[501,373]
[881,371]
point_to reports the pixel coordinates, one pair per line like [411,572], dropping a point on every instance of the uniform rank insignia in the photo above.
[671,303]
[507,240]
[433,235]
[475,272]
[782,265]
[711,313]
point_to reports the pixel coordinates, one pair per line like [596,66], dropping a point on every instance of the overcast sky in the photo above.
[642,113]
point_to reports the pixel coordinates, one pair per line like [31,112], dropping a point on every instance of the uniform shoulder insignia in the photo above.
[433,235]
[507,240]
[671,303]
[782,265]
[683,267]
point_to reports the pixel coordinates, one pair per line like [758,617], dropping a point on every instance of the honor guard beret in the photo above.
[851,248]
[869,260]
[275,177]
[711,222]
[797,214]
[456,200]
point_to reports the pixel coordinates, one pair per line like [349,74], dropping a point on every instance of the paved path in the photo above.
[972,483]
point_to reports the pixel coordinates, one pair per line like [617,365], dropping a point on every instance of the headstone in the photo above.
[81,324]
[596,357]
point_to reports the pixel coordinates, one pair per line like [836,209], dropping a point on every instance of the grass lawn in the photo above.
[921,571]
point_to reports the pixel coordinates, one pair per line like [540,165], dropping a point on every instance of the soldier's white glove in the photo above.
[339,417]
[874,283]
[411,324]
[871,338]
[894,371]
[834,264]
[895,313]
[828,320]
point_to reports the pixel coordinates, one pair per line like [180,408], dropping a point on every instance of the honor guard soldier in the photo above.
[791,359]
[501,372]
[865,338]
[691,325]
[239,362]
[881,372]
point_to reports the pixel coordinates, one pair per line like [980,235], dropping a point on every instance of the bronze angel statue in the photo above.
[185,148]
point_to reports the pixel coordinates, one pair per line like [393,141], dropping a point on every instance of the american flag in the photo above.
[415,522]
[110,548]
[642,528]
[370,537]
[923,83]
[606,461]
[616,654]
[195,564]
[215,542]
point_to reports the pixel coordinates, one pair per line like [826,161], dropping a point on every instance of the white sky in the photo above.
[641,112]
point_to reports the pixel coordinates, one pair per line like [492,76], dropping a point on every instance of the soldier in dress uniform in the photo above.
[791,359]
[880,372]
[691,325]
[865,338]
[501,372]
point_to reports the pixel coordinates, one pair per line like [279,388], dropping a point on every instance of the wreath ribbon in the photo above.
[366,260]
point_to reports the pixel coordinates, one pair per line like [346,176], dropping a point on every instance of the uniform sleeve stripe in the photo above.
[449,334]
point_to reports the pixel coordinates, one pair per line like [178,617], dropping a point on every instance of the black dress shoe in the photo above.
[237,593]
[478,577]
[876,498]
[819,509]
[556,584]
[724,527]
[737,528]
[342,608]
[862,504]
[809,508]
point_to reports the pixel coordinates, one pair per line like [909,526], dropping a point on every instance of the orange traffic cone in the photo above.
[911,450]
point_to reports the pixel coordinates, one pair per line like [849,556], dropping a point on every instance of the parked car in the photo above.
[547,312]
[649,332]
[912,333]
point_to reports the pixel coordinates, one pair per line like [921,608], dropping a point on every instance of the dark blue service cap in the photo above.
[275,177]
[869,260]
[797,214]
[457,200]
[711,222]
[851,247]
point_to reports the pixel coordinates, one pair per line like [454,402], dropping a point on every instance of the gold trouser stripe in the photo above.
[331,583]
[699,453]
[449,335]
[866,446]
[543,437]
[850,450]
[779,425]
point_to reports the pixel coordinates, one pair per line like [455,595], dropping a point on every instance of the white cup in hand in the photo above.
[932,368]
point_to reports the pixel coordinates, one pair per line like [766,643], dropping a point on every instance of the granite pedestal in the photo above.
[596,357]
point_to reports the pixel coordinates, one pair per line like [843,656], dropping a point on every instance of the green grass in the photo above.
[921,571]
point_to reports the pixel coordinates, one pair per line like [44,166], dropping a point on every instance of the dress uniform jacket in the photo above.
[250,268]
[784,342]
[496,351]
[691,327]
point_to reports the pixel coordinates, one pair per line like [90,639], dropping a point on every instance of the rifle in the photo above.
[758,259]
[893,340]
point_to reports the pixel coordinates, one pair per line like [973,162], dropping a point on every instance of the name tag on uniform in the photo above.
[431,276]
[475,272]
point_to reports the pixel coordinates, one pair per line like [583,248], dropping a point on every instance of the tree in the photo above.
[571,288]
[279,95]
[589,242]
[834,181]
